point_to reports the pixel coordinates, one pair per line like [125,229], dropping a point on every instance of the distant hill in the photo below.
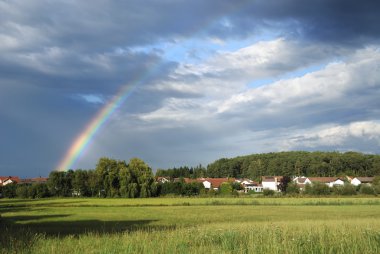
[297,163]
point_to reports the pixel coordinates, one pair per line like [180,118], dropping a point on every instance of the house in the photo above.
[206,184]
[362,180]
[244,181]
[4,180]
[162,179]
[214,183]
[301,181]
[249,185]
[329,181]
[256,187]
[271,182]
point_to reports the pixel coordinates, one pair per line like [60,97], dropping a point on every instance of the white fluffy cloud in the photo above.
[227,73]
[335,107]
[338,136]
[222,85]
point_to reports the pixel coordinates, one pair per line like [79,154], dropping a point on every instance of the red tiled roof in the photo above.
[365,179]
[302,180]
[271,178]
[3,178]
[13,178]
[216,182]
[189,180]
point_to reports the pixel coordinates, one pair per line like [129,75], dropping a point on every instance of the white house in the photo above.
[253,187]
[4,180]
[301,180]
[336,182]
[271,182]
[362,180]
[162,179]
[207,184]
[329,181]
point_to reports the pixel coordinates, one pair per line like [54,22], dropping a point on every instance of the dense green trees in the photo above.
[114,178]
[117,179]
[111,178]
[296,163]
[189,172]
[180,188]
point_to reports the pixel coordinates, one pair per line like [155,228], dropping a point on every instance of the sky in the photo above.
[185,82]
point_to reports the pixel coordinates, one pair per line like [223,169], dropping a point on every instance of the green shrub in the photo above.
[348,189]
[226,189]
[9,190]
[345,190]
[22,191]
[337,190]
[366,189]
[268,192]
[317,189]
[292,188]
[377,189]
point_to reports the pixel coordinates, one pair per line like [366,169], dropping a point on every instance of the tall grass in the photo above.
[221,238]
[191,225]
[186,201]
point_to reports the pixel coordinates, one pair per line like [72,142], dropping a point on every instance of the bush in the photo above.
[377,189]
[39,190]
[366,190]
[268,192]
[346,190]
[376,180]
[22,191]
[226,189]
[317,189]
[9,190]
[292,188]
[252,192]
[349,189]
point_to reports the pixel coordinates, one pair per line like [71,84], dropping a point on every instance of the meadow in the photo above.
[191,225]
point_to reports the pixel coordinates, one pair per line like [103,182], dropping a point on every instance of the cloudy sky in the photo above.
[206,79]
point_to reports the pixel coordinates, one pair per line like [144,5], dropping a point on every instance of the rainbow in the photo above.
[84,139]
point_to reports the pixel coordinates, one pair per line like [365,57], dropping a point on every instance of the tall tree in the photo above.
[144,176]
[284,183]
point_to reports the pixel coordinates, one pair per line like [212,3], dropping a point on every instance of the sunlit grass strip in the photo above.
[241,238]
[183,201]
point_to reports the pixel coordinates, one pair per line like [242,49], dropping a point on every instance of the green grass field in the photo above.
[191,225]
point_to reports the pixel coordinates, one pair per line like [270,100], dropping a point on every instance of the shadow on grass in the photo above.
[56,225]
[25,205]
[20,233]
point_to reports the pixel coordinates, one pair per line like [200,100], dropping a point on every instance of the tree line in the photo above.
[115,178]
[296,163]
[110,178]
[184,171]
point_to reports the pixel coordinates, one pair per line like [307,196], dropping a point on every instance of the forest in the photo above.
[295,163]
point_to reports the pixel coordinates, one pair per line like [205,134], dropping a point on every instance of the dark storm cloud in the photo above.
[102,24]
[333,21]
